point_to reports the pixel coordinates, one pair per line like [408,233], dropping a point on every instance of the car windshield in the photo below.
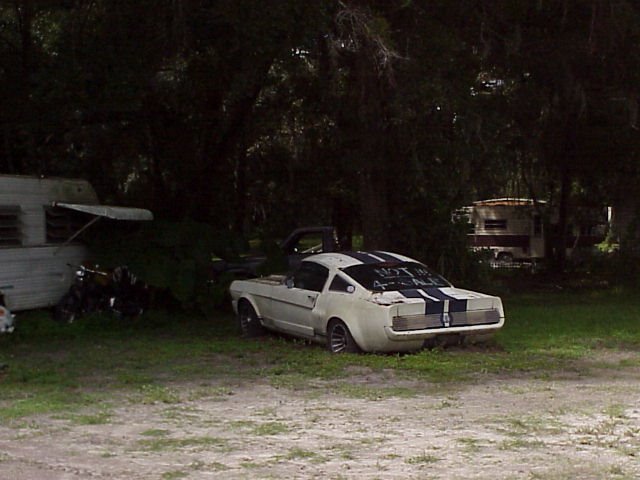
[393,276]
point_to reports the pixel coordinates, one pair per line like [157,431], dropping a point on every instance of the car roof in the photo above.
[349,259]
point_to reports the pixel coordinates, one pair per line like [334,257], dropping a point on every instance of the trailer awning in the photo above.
[108,211]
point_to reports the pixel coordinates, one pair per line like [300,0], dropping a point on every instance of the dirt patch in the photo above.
[369,425]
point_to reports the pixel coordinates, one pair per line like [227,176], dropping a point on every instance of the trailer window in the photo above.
[10,225]
[495,224]
[63,223]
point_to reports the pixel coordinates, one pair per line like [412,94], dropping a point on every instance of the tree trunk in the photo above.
[563,216]
[24,115]
[240,209]
[374,208]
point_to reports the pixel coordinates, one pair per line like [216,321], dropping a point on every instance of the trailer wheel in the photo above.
[67,309]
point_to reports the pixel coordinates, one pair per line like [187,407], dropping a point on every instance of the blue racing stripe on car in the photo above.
[363,257]
[416,294]
[457,306]
[386,256]
[411,294]
[434,308]
[436,293]
[436,305]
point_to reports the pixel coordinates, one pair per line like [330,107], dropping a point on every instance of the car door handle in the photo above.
[311,297]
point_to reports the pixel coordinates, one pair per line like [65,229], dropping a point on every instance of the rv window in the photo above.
[10,226]
[495,224]
[62,223]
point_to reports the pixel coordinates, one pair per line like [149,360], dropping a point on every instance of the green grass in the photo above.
[96,418]
[423,458]
[174,475]
[569,325]
[270,428]
[157,444]
[80,369]
[302,454]
[155,432]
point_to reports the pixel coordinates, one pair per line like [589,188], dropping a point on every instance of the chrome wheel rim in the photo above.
[338,339]
[244,320]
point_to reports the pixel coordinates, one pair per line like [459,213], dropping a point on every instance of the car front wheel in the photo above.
[250,325]
[339,339]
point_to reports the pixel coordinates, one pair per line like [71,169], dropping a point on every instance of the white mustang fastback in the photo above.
[370,301]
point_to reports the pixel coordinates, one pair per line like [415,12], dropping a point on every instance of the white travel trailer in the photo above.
[511,228]
[40,218]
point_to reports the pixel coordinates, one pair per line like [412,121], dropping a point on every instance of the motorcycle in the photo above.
[117,291]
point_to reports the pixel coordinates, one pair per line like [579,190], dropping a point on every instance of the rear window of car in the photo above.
[393,276]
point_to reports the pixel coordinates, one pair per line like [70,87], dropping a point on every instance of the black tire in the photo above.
[67,309]
[339,339]
[248,321]
[125,309]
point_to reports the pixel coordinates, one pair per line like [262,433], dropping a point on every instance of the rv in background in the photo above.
[513,230]
[40,220]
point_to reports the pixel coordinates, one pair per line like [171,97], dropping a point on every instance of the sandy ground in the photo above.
[370,425]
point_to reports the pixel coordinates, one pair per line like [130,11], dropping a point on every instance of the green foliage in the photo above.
[379,117]
[276,260]
[621,267]
[173,257]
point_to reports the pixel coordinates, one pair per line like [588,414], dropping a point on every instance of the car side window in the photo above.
[310,276]
[339,284]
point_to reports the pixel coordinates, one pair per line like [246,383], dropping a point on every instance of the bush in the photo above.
[172,257]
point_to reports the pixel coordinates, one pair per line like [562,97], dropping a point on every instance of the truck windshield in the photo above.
[393,276]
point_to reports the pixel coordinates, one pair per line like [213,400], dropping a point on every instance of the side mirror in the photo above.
[289,282]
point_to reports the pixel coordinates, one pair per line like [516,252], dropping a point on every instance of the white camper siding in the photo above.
[34,274]
[518,220]
[32,195]
[38,276]
[510,228]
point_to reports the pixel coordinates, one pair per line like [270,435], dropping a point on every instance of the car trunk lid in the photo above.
[440,307]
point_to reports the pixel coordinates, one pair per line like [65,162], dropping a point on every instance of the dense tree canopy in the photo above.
[381,117]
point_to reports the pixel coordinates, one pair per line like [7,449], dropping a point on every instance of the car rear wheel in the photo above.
[339,339]
[250,325]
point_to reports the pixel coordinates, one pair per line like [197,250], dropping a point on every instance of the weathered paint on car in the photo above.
[404,306]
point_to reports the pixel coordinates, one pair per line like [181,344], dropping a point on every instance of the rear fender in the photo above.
[361,320]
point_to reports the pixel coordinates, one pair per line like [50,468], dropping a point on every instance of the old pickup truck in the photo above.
[300,244]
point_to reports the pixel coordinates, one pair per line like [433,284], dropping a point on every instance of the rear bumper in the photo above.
[424,334]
